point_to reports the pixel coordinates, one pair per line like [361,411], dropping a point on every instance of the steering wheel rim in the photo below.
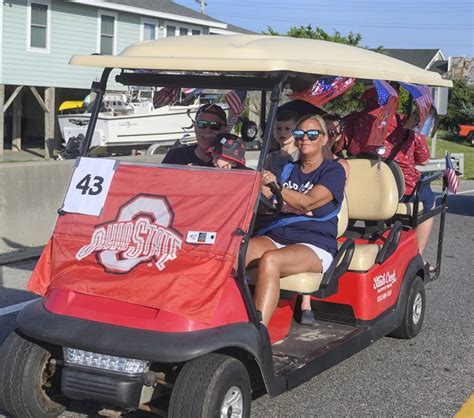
[269,203]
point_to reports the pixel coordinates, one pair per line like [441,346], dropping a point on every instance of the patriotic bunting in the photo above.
[324,90]
[165,96]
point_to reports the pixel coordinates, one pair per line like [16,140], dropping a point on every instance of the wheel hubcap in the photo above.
[233,403]
[417,308]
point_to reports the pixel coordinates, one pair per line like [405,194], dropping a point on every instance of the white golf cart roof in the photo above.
[260,53]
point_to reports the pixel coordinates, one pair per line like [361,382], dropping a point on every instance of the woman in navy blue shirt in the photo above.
[313,189]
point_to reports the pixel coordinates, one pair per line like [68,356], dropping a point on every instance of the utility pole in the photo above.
[203,4]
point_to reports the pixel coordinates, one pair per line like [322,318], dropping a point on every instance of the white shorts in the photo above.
[325,257]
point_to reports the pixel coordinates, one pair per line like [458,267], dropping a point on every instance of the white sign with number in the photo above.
[89,186]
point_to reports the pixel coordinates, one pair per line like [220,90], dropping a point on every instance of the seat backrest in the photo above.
[399,178]
[372,192]
[343,217]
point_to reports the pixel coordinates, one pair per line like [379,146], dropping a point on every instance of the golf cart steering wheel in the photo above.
[267,207]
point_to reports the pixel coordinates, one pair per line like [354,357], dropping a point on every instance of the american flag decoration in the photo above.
[236,101]
[387,99]
[422,97]
[324,90]
[451,176]
[191,95]
[165,96]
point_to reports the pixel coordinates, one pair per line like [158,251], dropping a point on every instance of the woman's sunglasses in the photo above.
[312,134]
[203,124]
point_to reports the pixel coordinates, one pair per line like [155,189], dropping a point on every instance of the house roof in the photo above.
[419,57]
[172,8]
[440,66]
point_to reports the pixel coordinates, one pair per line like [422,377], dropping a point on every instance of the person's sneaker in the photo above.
[307,317]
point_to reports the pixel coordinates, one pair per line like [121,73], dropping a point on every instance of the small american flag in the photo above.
[236,101]
[165,96]
[451,176]
[422,97]
[190,96]
[387,99]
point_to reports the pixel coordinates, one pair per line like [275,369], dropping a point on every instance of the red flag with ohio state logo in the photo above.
[155,236]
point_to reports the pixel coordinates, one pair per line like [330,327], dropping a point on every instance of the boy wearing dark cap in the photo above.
[229,152]
[211,121]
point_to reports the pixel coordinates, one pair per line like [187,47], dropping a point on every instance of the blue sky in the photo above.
[448,25]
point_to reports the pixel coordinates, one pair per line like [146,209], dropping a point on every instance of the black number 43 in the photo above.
[87,188]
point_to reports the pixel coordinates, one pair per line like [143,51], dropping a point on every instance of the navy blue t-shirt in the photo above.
[323,234]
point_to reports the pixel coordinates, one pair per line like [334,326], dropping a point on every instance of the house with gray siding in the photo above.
[38,37]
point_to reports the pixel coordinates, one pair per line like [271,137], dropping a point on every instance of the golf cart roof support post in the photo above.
[98,88]
[263,109]
[246,295]
[268,134]
[442,220]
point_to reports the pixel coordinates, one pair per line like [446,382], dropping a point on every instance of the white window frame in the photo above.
[181,25]
[151,22]
[101,13]
[30,48]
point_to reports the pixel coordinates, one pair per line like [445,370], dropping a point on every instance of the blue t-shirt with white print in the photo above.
[329,174]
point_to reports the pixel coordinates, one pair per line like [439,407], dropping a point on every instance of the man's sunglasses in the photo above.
[312,134]
[203,124]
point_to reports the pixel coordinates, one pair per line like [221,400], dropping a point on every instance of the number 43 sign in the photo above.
[89,186]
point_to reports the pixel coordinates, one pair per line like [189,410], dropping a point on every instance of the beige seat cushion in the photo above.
[364,257]
[372,192]
[407,208]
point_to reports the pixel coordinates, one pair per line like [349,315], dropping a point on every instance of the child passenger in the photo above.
[283,134]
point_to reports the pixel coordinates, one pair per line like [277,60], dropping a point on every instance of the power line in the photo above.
[352,23]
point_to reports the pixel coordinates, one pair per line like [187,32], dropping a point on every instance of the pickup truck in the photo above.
[467,131]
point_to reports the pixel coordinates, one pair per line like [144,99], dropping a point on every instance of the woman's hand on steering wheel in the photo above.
[270,181]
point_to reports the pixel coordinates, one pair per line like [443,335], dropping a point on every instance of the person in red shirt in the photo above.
[415,151]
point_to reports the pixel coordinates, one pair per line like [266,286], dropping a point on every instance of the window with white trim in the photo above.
[39,25]
[149,30]
[107,36]
[173,29]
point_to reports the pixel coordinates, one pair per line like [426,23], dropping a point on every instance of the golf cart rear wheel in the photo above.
[414,311]
[29,380]
[212,386]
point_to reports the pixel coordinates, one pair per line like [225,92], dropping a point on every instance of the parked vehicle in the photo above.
[141,306]
[129,121]
[467,131]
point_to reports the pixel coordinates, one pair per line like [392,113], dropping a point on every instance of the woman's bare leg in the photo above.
[275,263]
[257,247]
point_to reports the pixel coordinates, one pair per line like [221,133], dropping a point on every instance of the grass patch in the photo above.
[456,145]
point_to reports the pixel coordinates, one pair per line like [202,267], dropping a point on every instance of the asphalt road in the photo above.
[431,375]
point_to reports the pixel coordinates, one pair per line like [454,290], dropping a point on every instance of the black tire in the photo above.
[29,382]
[414,311]
[204,384]
[470,137]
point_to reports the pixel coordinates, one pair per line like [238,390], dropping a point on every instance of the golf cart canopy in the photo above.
[261,54]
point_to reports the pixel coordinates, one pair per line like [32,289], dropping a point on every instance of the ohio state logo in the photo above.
[142,232]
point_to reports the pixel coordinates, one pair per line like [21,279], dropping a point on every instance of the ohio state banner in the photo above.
[164,237]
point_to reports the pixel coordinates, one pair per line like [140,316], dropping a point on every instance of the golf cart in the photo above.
[141,307]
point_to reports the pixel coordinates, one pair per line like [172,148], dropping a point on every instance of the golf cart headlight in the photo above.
[102,361]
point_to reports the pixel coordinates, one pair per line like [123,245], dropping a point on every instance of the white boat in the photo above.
[130,121]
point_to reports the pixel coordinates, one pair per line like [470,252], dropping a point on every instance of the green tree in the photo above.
[460,106]
[349,101]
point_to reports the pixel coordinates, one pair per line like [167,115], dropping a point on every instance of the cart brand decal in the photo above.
[383,284]
[142,232]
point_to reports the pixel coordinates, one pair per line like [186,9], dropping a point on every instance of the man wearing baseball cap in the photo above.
[211,121]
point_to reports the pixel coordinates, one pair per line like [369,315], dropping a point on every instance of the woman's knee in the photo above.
[269,260]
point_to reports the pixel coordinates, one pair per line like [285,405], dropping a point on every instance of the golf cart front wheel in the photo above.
[414,311]
[29,380]
[212,386]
